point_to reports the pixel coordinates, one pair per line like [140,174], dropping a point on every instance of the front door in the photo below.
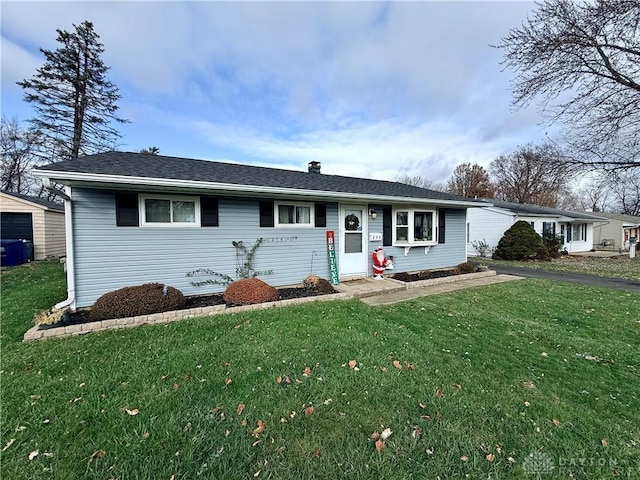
[353,241]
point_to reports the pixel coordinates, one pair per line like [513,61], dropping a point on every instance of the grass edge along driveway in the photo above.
[516,380]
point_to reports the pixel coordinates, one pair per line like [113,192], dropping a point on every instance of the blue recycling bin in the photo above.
[11,252]
[27,251]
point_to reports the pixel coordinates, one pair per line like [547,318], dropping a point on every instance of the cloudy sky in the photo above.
[370,89]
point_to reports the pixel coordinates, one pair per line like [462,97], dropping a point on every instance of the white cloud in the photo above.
[368,88]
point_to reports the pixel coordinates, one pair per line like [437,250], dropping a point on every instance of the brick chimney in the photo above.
[314,167]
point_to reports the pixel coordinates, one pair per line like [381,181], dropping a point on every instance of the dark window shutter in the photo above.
[321,214]
[208,212]
[441,225]
[266,214]
[387,227]
[127,210]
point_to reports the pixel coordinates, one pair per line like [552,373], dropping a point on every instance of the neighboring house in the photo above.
[35,219]
[616,232]
[488,224]
[137,218]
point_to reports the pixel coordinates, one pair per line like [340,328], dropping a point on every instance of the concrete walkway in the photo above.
[387,291]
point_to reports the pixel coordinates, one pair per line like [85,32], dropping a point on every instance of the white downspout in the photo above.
[71,279]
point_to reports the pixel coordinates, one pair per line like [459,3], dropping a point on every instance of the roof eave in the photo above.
[102,181]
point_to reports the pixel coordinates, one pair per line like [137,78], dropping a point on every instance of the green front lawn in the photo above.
[506,381]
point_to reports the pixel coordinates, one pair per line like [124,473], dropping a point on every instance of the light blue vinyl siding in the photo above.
[108,257]
[450,253]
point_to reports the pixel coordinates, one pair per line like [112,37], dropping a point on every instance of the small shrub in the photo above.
[48,317]
[139,300]
[248,291]
[481,246]
[553,243]
[521,242]
[466,267]
[321,285]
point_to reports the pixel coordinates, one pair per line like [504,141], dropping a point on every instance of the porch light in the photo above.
[373,213]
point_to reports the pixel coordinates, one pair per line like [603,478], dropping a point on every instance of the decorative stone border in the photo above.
[437,281]
[35,333]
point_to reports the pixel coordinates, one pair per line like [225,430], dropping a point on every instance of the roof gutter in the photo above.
[70,263]
[71,177]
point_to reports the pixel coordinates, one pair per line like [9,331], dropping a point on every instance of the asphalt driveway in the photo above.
[591,280]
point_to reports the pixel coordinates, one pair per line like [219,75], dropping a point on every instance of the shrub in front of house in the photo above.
[139,300]
[521,242]
[248,291]
[554,244]
[321,285]
[466,267]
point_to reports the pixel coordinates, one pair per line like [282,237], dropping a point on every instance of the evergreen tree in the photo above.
[74,101]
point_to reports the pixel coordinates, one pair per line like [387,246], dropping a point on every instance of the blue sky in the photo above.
[370,89]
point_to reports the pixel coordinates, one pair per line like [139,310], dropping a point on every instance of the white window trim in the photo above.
[411,220]
[276,214]
[143,213]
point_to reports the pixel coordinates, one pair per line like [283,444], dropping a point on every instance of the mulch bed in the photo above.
[424,275]
[82,316]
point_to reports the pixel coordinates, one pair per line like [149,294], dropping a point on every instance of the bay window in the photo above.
[414,226]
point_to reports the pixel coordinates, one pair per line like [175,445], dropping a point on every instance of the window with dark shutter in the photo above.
[320,214]
[127,210]
[441,226]
[208,212]
[387,227]
[266,214]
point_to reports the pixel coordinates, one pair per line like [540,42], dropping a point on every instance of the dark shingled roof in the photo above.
[128,164]
[527,209]
[58,207]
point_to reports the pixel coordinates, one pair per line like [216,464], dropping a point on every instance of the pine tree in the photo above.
[74,101]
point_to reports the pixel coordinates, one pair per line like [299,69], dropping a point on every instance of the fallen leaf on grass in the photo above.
[352,364]
[386,433]
[33,454]
[439,393]
[458,386]
[135,411]
[379,444]
[98,454]
[527,404]
[306,372]
[429,451]
[397,364]
[375,436]
[604,443]
[175,387]
[9,443]
[529,384]
[490,457]
[417,431]
[228,381]
[240,408]
[316,453]
[410,366]
[556,422]
[426,418]
[260,428]
[309,411]
[464,458]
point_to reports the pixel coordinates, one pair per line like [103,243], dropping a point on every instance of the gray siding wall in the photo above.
[108,257]
[450,253]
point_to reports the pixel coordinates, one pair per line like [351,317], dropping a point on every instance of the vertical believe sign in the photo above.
[331,255]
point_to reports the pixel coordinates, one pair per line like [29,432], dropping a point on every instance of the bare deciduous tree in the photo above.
[582,60]
[532,174]
[20,153]
[471,181]
[625,190]
[418,181]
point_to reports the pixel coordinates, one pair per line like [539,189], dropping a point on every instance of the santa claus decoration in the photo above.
[380,262]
